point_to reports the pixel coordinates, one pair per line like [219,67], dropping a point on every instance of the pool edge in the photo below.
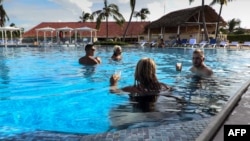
[218,121]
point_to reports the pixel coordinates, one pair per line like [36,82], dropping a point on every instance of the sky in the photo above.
[29,13]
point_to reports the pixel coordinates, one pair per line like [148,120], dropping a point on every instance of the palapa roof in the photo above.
[187,16]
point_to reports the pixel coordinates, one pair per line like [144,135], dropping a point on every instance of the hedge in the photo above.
[239,38]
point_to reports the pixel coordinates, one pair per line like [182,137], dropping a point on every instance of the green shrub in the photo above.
[240,38]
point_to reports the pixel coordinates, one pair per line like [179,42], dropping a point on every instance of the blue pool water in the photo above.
[46,88]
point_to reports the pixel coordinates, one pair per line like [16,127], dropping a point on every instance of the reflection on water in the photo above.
[143,103]
[4,71]
[153,112]
[206,94]
[88,71]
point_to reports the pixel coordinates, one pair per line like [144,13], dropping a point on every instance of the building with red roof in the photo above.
[135,31]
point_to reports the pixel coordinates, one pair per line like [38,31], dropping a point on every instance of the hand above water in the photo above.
[114,79]
[98,60]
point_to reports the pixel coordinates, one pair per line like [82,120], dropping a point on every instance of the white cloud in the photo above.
[155,12]
[73,6]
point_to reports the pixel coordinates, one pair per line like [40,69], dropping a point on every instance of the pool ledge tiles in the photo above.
[183,131]
[236,111]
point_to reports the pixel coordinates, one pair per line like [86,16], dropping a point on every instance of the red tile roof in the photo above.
[135,28]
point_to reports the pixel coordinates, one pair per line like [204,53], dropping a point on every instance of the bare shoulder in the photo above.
[192,69]
[208,71]
[87,60]
[130,89]
[82,60]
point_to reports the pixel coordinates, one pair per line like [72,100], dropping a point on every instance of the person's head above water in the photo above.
[145,79]
[198,58]
[117,49]
[89,58]
[145,74]
[117,55]
[199,67]
[90,48]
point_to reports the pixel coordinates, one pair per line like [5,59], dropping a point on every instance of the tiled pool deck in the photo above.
[199,130]
[186,131]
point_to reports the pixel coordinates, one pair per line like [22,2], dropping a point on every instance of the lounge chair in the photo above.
[192,42]
[142,43]
[184,42]
[202,44]
[170,43]
[246,44]
[212,43]
[223,44]
[234,43]
[153,43]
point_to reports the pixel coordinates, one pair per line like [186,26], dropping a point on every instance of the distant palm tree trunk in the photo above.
[203,17]
[107,28]
[218,21]
[204,20]
[132,5]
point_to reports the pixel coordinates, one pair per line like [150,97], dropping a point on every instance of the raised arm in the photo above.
[113,83]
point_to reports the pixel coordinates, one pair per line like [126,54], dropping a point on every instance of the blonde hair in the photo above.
[117,47]
[145,75]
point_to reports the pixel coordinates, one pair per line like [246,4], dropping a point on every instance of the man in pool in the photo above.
[89,58]
[199,68]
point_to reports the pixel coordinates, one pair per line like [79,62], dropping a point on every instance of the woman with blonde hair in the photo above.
[117,55]
[146,88]
[145,79]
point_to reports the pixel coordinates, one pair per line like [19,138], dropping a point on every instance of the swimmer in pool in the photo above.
[199,68]
[89,58]
[117,55]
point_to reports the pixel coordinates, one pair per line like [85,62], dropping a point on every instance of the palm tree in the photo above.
[16,33]
[86,16]
[108,10]
[3,15]
[232,24]
[203,18]
[222,2]
[142,13]
[132,6]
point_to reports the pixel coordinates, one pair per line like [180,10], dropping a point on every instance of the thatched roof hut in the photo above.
[186,21]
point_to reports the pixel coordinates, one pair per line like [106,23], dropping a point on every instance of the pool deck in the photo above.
[236,111]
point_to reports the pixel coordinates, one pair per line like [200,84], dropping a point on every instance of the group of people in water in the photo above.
[146,85]
[145,79]
[89,58]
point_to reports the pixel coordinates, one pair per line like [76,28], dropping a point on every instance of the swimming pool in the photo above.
[46,88]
